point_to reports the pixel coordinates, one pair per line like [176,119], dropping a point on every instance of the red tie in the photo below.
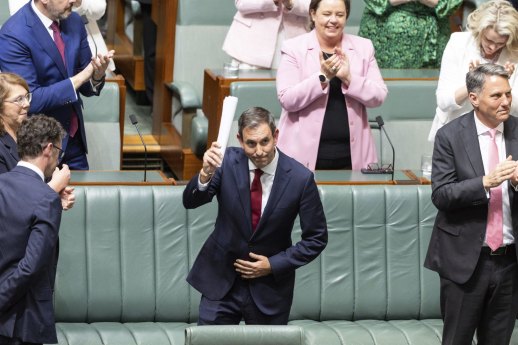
[60,44]
[256,197]
[494,233]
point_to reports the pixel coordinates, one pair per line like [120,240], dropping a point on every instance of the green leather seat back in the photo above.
[101,116]
[201,27]
[4,12]
[125,253]
[253,94]
[124,256]
[408,112]
[372,267]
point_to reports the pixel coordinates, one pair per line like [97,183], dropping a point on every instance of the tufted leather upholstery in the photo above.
[125,252]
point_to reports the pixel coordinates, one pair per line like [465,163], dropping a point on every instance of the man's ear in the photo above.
[473,98]
[47,150]
[239,139]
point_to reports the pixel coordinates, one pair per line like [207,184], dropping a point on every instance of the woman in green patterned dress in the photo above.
[407,33]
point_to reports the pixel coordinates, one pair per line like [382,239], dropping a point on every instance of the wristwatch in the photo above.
[323,78]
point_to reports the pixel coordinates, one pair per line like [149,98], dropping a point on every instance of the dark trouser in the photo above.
[236,305]
[487,303]
[11,341]
[75,154]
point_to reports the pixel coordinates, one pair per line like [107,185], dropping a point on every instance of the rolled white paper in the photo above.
[227,117]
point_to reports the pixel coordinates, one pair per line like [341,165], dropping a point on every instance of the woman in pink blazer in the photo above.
[325,81]
[259,28]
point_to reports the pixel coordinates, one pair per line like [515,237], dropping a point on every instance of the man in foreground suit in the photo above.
[246,268]
[31,213]
[46,44]
[474,180]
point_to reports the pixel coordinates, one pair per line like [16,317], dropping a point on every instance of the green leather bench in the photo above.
[125,252]
[408,112]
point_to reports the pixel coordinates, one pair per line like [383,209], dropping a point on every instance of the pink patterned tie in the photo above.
[60,44]
[494,229]
[256,198]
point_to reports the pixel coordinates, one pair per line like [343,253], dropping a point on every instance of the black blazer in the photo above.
[8,153]
[457,192]
[294,193]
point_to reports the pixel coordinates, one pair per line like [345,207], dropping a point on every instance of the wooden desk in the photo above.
[122,177]
[216,87]
[355,177]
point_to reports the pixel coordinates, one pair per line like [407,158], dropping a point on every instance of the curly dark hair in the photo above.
[35,132]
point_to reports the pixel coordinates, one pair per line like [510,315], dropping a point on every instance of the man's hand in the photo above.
[60,179]
[253,269]
[505,170]
[212,159]
[68,198]
[100,64]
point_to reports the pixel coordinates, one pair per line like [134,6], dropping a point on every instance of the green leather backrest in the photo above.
[105,107]
[101,115]
[372,267]
[4,11]
[125,253]
[201,28]
[408,112]
[256,93]
[205,12]
[407,100]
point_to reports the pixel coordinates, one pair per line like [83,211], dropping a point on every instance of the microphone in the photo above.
[134,122]
[381,124]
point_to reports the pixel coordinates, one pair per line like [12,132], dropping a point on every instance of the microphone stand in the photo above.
[381,124]
[134,122]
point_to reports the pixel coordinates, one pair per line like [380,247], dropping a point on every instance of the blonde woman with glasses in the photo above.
[491,37]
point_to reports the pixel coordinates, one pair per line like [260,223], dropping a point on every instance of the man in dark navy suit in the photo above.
[246,268]
[31,213]
[46,43]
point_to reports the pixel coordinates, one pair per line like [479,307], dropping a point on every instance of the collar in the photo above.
[44,19]
[33,168]
[482,129]
[270,168]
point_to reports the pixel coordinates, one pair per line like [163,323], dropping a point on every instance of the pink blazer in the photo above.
[252,37]
[304,102]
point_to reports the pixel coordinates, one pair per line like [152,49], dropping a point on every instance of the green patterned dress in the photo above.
[411,35]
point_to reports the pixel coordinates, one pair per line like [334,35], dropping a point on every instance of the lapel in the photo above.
[280,182]
[9,143]
[66,34]
[468,134]
[511,144]
[242,178]
[43,38]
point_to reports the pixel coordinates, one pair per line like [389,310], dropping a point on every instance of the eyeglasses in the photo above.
[61,152]
[382,168]
[20,100]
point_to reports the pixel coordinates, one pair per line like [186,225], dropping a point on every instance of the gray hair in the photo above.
[476,78]
[253,117]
